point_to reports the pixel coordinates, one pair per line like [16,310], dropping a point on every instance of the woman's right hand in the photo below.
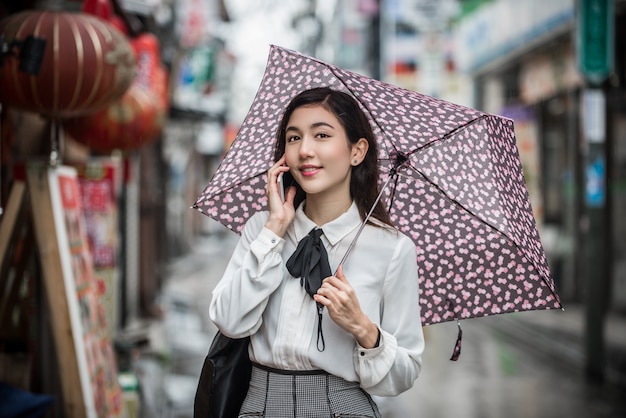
[281,213]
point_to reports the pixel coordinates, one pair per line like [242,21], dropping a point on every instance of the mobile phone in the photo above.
[284,181]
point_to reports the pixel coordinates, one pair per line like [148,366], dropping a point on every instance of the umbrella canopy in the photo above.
[454,184]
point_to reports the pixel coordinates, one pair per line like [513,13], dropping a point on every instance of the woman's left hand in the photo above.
[339,297]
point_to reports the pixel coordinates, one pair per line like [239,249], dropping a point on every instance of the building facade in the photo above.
[523,60]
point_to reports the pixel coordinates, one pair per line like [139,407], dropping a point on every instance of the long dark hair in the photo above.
[364,187]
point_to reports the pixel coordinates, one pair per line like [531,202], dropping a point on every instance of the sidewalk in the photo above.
[560,334]
[169,367]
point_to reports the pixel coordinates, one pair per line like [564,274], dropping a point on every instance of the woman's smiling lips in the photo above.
[309,170]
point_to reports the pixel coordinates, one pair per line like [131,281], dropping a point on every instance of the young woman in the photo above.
[324,336]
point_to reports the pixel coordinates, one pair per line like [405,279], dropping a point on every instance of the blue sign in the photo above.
[594,190]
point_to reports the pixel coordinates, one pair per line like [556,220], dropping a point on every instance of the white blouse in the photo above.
[258,297]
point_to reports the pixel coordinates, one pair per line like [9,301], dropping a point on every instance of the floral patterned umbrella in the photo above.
[452,179]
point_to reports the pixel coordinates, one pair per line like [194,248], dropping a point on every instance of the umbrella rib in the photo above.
[447,135]
[428,180]
[362,103]
[449,198]
[435,185]
[384,133]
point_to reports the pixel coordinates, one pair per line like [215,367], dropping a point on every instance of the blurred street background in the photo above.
[556,67]
[524,365]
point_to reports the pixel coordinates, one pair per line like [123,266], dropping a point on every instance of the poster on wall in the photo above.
[99,183]
[74,299]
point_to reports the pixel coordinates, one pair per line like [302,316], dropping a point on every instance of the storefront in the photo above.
[528,71]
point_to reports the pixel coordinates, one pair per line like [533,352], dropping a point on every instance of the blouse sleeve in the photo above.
[253,273]
[393,366]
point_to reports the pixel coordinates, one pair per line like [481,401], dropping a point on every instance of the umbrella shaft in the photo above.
[369,214]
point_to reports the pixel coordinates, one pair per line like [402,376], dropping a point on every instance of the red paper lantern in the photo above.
[100,8]
[135,120]
[87,64]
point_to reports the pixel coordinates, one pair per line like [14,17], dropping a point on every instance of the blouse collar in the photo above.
[334,231]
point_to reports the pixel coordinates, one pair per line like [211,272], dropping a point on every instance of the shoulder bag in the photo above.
[224,378]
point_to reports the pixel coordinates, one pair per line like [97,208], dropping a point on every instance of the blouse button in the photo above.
[273,240]
[362,353]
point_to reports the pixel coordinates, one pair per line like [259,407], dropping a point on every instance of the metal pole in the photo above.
[597,252]
[1,145]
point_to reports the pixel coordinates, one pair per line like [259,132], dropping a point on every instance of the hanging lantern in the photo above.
[101,8]
[87,64]
[135,120]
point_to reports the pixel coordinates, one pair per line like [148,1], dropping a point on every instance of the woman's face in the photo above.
[318,153]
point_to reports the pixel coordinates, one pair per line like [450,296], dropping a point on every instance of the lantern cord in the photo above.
[55,144]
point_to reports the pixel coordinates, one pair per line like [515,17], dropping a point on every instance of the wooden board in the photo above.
[86,360]
[56,292]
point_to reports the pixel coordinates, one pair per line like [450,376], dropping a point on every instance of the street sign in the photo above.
[593,107]
[595,35]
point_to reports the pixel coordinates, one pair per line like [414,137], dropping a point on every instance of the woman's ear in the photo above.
[359,149]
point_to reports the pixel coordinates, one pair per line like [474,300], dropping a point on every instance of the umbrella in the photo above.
[452,179]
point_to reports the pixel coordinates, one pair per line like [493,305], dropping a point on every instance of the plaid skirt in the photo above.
[277,393]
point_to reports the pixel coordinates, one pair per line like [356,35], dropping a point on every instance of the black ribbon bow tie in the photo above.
[310,262]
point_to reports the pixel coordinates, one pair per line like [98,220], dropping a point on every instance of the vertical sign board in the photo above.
[99,182]
[85,353]
[593,110]
[595,34]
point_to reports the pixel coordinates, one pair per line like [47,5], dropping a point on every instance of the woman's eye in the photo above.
[292,138]
[322,135]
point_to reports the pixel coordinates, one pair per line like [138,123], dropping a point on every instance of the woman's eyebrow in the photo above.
[318,124]
[313,125]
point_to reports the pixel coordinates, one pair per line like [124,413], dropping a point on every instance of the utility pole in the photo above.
[594,29]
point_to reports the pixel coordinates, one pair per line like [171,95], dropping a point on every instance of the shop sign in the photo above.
[594,115]
[501,30]
[595,39]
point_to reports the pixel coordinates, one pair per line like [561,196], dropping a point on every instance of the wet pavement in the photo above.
[511,365]
[497,377]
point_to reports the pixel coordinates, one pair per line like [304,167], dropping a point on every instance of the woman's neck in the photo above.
[322,211]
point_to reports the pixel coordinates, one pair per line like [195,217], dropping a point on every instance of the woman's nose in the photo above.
[306,147]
